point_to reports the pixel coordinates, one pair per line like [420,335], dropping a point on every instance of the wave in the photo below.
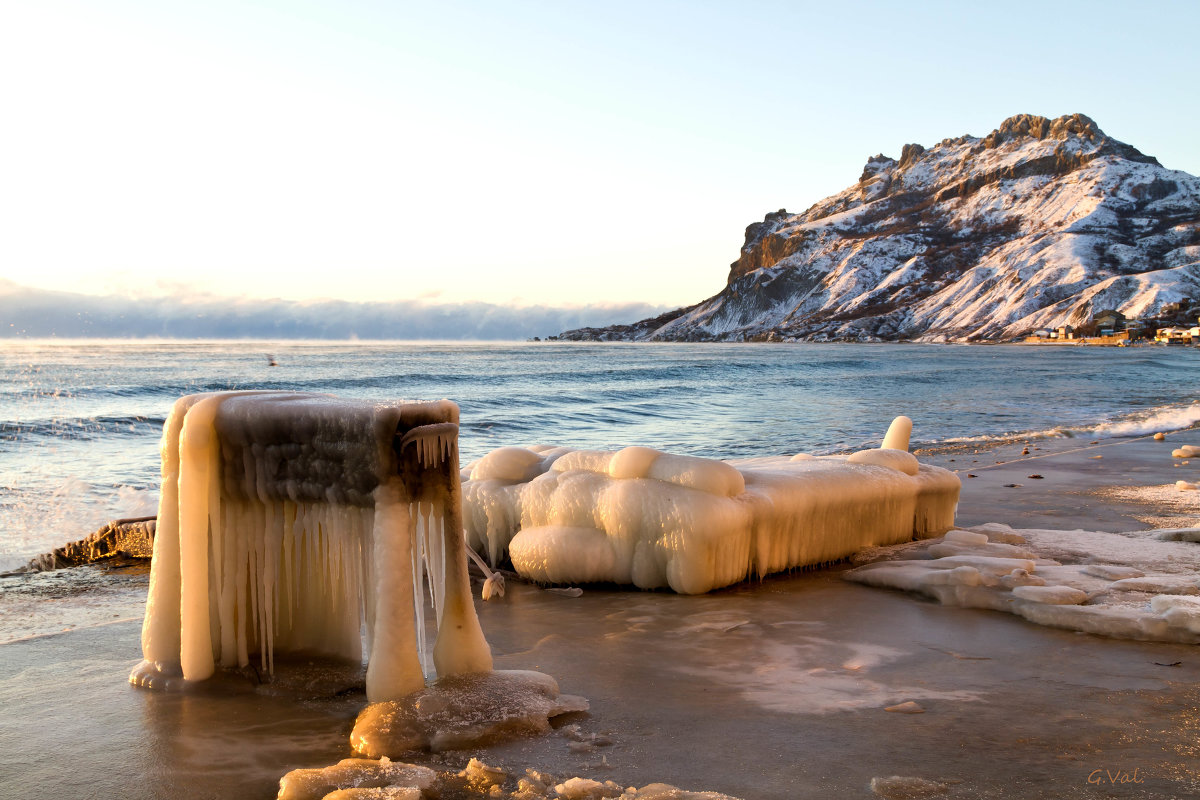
[80,428]
[1151,420]
[1143,422]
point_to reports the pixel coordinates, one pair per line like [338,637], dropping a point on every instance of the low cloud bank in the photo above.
[36,313]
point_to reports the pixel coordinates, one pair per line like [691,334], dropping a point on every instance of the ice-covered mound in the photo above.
[651,519]
[363,779]
[1128,586]
[462,711]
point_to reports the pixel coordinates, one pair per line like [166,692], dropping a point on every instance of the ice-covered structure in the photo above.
[287,522]
[651,519]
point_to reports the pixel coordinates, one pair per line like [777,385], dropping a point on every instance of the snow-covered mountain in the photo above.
[1039,224]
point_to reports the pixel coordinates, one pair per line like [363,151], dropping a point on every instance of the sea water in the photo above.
[80,421]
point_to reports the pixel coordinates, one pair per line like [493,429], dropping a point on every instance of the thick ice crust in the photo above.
[657,520]
[1126,586]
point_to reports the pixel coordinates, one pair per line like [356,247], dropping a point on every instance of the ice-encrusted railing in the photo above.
[288,522]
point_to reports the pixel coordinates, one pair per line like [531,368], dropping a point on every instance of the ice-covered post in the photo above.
[286,520]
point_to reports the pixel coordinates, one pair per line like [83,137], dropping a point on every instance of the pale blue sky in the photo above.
[517,152]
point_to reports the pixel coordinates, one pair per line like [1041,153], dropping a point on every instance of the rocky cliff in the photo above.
[1040,223]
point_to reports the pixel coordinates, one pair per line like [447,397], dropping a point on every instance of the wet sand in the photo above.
[773,689]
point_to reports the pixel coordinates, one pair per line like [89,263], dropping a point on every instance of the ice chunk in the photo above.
[655,520]
[966,537]
[1157,584]
[994,549]
[287,521]
[1020,577]
[586,789]
[1179,611]
[1112,572]
[1054,595]
[462,711]
[355,773]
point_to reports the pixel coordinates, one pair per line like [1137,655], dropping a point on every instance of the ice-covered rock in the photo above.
[651,519]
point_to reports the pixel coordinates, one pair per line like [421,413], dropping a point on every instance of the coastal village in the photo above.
[1113,329]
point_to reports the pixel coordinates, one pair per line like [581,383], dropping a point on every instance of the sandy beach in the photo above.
[768,690]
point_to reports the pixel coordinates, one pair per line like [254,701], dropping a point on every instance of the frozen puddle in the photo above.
[1123,585]
[822,676]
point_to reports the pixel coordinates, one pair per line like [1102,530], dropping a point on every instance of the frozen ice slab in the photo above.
[463,711]
[1129,586]
[638,516]
[288,521]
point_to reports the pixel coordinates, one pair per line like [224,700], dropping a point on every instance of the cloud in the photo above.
[37,313]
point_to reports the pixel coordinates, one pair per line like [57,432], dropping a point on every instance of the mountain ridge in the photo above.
[1040,223]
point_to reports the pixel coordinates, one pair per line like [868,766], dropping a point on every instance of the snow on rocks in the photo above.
[1124,585]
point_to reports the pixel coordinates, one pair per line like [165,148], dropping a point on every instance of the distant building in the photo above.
[1109,322]
[1064,332]
[1173,336]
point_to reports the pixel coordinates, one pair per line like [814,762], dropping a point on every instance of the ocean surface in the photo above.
[80,421]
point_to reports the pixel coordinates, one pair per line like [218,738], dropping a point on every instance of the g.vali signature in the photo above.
[1101,776]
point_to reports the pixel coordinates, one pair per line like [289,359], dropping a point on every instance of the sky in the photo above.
[515,153]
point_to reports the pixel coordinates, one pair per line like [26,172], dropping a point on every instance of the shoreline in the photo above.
[766,690]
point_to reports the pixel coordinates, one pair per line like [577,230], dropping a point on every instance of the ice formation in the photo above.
[287,521]
[1129,586]
[462,711]
[652,519]
[364,779]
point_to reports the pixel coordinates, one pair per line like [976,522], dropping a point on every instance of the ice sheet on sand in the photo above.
[651,519]
[477,779]
[462,711]
[1124,585]
[288,521]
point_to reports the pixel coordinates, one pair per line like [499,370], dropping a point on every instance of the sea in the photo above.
[80,421]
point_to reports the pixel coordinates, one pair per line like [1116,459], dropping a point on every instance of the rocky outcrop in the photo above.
[1040,223]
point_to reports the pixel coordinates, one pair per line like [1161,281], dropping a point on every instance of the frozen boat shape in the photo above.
[287,521]
[654,520]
